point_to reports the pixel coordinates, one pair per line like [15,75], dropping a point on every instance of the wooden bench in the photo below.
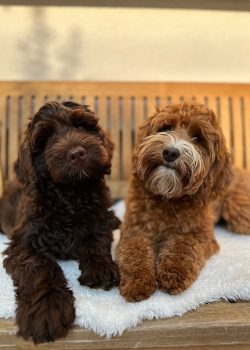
[121,107]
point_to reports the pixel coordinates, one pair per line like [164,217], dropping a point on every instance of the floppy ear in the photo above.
[109,146]
[23,165]
[220,173]
[143,130]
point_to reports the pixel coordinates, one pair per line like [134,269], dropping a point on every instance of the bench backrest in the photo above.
[121,107]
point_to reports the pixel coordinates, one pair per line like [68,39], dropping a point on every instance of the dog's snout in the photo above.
[76,155]
[171,154]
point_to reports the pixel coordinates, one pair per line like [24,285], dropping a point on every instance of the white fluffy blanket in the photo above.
[226,275]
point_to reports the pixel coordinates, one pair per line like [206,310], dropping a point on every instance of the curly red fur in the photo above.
[233,206]
[167,235]
[57,208]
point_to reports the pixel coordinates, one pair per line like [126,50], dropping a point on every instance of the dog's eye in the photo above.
[197,138]
[165,128]
[80,128]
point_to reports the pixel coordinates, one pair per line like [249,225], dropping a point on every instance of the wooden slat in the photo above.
[237,128]
[115,137]
[20,119]
[247,130]
[127,128]
[151,105]
[118,188]
[1,164]
[13,133]
[225,120]
[26,112]
[175,98]
[140,112]
[212,104]
[3,135]
[102,112]
[218,326]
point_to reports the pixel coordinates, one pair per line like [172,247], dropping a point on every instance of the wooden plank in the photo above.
[27,113]
[237,131]
[79,346]
[151,105]
[247,130]
[212,104]
[1,164]
[102,112]
[140,110]
[118,188]
[114,131]
[127,132]
[3,136]
[219,325]
[13,133]
[225,121]
[126,88]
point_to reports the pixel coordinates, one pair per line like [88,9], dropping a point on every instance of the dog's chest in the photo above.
[171,218]
[65,228]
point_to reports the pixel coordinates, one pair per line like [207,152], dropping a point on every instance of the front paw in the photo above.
[99,274]
[175,278]
[46,316]
[137,288]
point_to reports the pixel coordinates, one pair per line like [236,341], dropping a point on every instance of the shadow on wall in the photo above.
[35,47]
[70,55]
[38,50]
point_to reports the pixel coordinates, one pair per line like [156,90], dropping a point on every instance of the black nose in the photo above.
[76,155]
[170,154]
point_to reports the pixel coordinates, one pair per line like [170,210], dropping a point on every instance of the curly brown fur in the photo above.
[180,164]
[57,208]
[234,205]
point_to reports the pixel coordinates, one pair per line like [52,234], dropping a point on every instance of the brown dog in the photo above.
[58,209]
[180,164]
[233,206]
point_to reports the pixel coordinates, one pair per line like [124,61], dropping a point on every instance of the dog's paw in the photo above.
[137,288]
[99,274]
[173,279]
[46,317]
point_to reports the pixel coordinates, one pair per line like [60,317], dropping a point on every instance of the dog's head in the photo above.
[181,151]
[65,143]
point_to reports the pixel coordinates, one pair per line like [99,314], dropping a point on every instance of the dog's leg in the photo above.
[181,259]
[98,270]
[45,305]
[136,258]
[8,207]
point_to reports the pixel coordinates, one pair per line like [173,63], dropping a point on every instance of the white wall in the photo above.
[96,43]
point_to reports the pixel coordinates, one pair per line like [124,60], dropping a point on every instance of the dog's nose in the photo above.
[170,154]
[76,155]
